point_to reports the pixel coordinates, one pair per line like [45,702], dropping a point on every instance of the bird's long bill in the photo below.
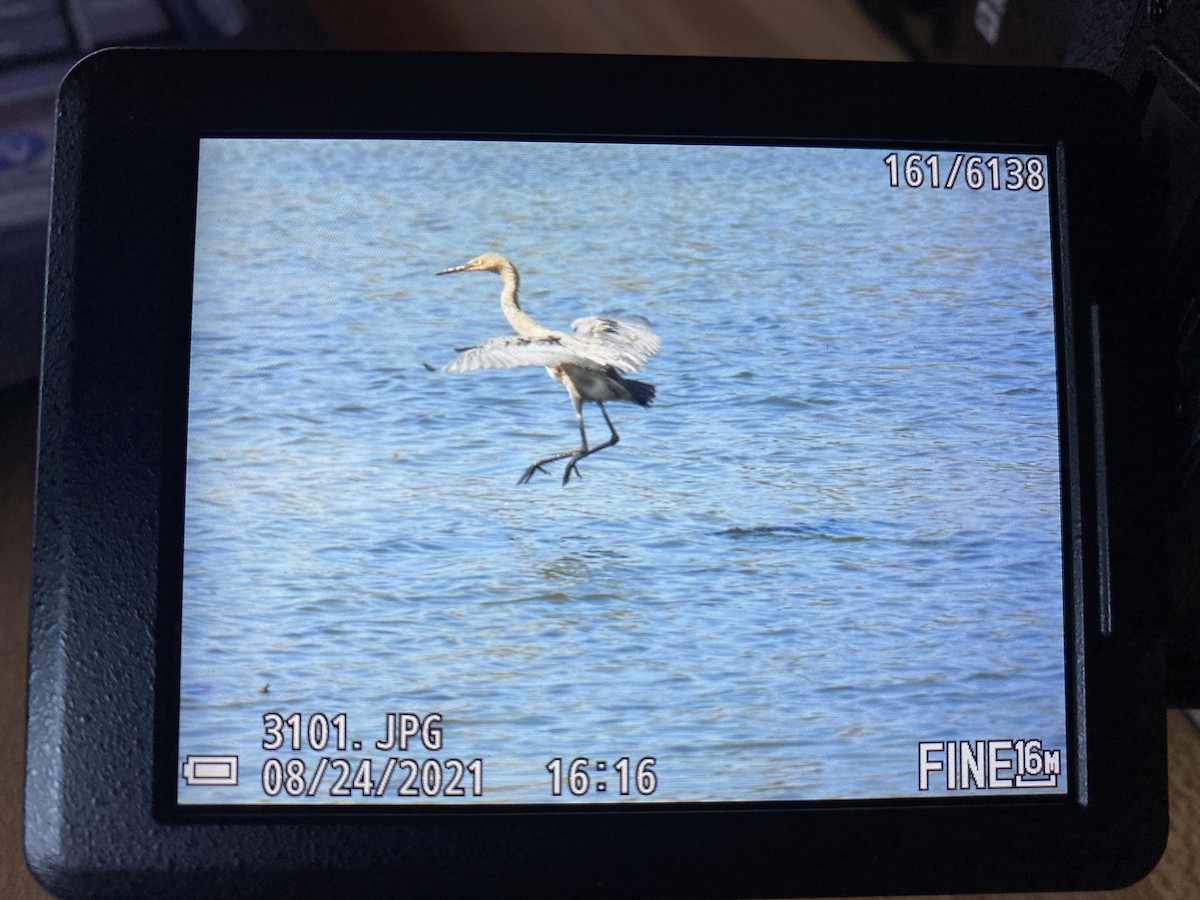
[461,268]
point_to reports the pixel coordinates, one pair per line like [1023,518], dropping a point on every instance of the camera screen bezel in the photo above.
[105,650]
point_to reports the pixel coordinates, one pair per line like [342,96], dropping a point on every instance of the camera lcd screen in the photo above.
[824,561]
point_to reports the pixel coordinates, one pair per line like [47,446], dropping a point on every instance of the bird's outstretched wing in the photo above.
[598,343]
[631,339]
[512,351]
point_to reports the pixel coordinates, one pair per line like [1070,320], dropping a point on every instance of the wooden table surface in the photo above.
[833,29]
[830,29]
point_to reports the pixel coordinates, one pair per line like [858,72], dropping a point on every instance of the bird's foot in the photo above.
[536,467]
[572,468]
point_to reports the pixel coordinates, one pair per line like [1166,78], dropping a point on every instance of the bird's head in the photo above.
[488,262]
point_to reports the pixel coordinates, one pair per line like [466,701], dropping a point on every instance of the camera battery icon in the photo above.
[211,770]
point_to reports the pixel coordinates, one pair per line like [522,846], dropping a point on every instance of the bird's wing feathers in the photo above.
[599,342]
[512,351]
[627,342]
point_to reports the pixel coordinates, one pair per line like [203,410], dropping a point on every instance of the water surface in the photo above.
[835,533]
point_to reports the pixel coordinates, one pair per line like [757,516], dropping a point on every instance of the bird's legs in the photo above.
[537,466]
[575,455]
[584,451]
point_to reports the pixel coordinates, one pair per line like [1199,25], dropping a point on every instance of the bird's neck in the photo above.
[522,322]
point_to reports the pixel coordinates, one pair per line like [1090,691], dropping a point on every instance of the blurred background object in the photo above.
[39,41]
[832,29]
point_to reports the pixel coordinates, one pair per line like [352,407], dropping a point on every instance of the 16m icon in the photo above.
[987,765]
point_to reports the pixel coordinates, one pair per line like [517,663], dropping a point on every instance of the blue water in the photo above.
[836,532]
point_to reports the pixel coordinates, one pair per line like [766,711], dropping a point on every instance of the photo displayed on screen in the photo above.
[557,472]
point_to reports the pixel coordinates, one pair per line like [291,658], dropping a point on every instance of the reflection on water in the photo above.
[833,535]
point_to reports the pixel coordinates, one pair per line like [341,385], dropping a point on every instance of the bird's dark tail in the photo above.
[639,392]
